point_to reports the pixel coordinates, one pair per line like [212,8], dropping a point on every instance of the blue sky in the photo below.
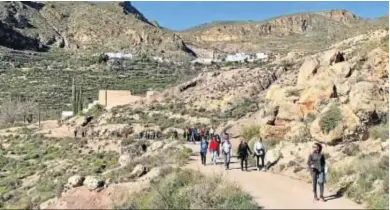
[182,15]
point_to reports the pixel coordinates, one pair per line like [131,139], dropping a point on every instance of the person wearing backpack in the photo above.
[213,149]
[242,153]
[227,152]
[259,152]
[316,164]
[204,144]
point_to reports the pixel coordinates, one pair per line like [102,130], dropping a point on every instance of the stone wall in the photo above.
[116,98]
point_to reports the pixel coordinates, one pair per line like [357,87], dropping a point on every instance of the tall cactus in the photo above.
[80,102]
[74,99]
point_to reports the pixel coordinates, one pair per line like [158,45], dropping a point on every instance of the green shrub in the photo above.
[330,119]
[250,131]
[188,189]
[380,131]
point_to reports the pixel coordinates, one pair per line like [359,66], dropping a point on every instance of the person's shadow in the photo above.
[338,194]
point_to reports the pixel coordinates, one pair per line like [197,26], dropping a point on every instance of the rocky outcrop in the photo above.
[93,182]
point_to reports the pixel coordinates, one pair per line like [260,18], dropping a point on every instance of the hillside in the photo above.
[85,27]
[303,31]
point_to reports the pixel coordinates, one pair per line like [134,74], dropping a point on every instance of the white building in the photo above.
[239,57]
[205,61]
[119,55]
[66,114]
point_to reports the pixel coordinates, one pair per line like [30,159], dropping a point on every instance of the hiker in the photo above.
[211,131]
[227,152]
[242,153]
[175,134]
[316,163]
[259,152]
[204,144]
[201,133]
[189,134]
[219,144]
[193,134]
[213,147]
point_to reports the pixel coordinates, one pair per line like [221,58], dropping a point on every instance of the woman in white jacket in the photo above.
[259,152]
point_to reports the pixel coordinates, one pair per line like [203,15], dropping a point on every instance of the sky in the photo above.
[180,15]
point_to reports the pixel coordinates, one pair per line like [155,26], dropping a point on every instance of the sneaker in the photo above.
[322,198]
[316,198]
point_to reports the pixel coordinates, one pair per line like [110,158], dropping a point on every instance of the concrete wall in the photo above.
[116,97]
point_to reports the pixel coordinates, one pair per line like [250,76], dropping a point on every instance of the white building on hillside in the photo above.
[239,57]
[205,60]
[119,55]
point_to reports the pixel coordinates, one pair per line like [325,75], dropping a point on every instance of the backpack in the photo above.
[203,146]
[259,151]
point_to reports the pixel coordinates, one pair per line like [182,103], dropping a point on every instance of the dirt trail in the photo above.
[270,191]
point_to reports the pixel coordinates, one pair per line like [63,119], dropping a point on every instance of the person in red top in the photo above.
[213,148]
[201,133]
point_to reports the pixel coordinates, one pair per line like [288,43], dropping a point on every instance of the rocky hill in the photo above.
[303,31]
[85,26]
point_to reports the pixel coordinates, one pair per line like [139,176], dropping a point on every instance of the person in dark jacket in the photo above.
[316,163]
[243,153]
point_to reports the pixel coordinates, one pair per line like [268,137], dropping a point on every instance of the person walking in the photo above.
[259,152]
[213,149]
[316,164]
[242,153]
[211,132]
[193,135]
[227,152]
[203,150]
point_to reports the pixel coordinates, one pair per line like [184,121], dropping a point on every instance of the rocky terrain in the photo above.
[85,26]
[304,32]
[330,87]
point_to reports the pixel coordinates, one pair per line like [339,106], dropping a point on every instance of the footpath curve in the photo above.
[269,190]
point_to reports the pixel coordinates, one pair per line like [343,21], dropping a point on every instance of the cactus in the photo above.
[80,102]
[77,99]
[74,97]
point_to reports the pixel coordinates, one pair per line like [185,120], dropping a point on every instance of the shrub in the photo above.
[250,131]
[380,131]
[187,189]
[330,119]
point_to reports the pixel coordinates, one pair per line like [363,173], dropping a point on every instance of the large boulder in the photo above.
[75,181]
[289,112]
[139,170]
[124,159]
[307,70]
[156,145]
[364,98]
[93,182]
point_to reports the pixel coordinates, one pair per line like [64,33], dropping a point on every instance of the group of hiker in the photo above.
[195,134]
[150,134]
[220,144]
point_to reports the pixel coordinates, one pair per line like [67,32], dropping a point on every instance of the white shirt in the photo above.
[259,146]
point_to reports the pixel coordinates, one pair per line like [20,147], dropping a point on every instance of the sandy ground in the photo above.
[270,191]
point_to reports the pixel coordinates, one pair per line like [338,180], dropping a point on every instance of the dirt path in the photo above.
[270,191]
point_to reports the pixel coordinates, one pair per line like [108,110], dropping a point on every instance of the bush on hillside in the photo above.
[249,132]
[380,131]
[330,119]
[187,189]
[372,180]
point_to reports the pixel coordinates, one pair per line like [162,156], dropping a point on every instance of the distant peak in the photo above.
[340,14]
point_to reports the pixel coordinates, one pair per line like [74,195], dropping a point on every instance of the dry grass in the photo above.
[188,189]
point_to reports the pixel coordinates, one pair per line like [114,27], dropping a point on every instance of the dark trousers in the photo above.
[244,161]
[203,157]
[258,157]
[317,178]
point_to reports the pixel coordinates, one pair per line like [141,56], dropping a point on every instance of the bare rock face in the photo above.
[307,70]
